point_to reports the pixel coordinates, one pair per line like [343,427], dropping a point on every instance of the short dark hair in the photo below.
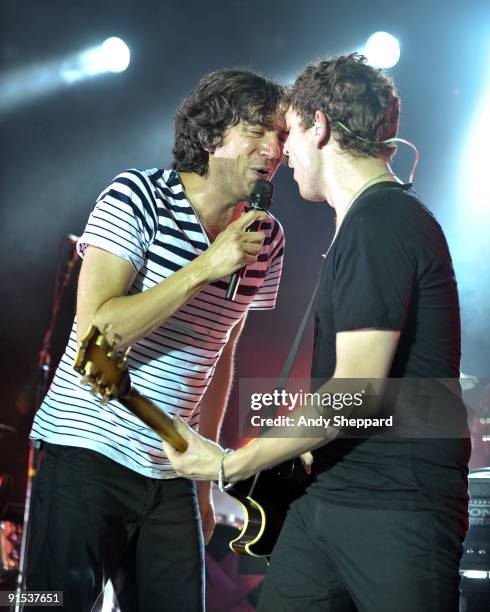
[359,96]
[221,100]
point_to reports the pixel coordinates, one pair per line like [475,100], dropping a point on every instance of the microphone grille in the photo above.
[261,196]
[263,189]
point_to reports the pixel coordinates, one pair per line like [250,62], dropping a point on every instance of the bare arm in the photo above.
[213,404]
[106,278]
[102,288]
[361,354]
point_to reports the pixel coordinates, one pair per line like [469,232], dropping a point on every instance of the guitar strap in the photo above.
[288,364]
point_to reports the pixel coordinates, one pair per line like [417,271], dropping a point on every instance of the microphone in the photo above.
[260,199]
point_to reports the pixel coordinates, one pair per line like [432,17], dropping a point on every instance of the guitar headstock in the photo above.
[101,365]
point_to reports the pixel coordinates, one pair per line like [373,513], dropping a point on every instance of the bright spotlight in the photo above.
[475,158]
[382,50]
[24,85]
[112,55]
[116,54]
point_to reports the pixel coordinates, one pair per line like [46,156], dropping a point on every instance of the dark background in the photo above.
[59,150]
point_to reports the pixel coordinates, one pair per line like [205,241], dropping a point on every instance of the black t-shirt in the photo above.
[390,268]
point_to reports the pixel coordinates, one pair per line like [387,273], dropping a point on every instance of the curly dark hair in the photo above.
[221,100]
[355,94]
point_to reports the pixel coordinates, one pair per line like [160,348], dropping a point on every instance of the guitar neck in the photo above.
[156,419]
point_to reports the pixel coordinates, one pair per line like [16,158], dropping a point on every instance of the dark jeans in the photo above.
[93,519]
[333,558]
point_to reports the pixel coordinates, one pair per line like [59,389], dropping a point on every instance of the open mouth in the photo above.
[261,172]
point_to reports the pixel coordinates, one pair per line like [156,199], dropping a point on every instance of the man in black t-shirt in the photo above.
[381,527]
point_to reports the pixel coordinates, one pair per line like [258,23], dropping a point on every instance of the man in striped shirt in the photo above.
[158,251]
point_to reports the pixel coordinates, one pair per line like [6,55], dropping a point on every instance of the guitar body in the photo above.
[265,499]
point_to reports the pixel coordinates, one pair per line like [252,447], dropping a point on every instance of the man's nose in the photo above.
[272,148]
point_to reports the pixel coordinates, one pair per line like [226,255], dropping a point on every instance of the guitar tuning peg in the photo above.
[101,342]
[102,339]
[124,358]
[91,369]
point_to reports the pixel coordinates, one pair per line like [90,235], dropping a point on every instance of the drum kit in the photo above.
[10,530]
[234,581]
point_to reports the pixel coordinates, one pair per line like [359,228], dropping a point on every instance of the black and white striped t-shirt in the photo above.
[145,218]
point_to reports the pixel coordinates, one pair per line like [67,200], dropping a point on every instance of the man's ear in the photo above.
[322,129]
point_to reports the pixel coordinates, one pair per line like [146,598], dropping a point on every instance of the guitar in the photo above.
[265,497]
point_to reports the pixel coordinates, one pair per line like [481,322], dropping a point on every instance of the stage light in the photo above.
[112,55]
[475,158]
[382,50]
[475,574]
[26,84]
[471,217]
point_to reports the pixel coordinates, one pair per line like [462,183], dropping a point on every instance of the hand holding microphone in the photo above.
[233,248]
[260,200]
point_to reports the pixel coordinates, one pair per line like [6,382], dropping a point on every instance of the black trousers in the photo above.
[333,558]
[93,519]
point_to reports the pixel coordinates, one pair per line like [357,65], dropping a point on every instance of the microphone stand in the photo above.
[64,272]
